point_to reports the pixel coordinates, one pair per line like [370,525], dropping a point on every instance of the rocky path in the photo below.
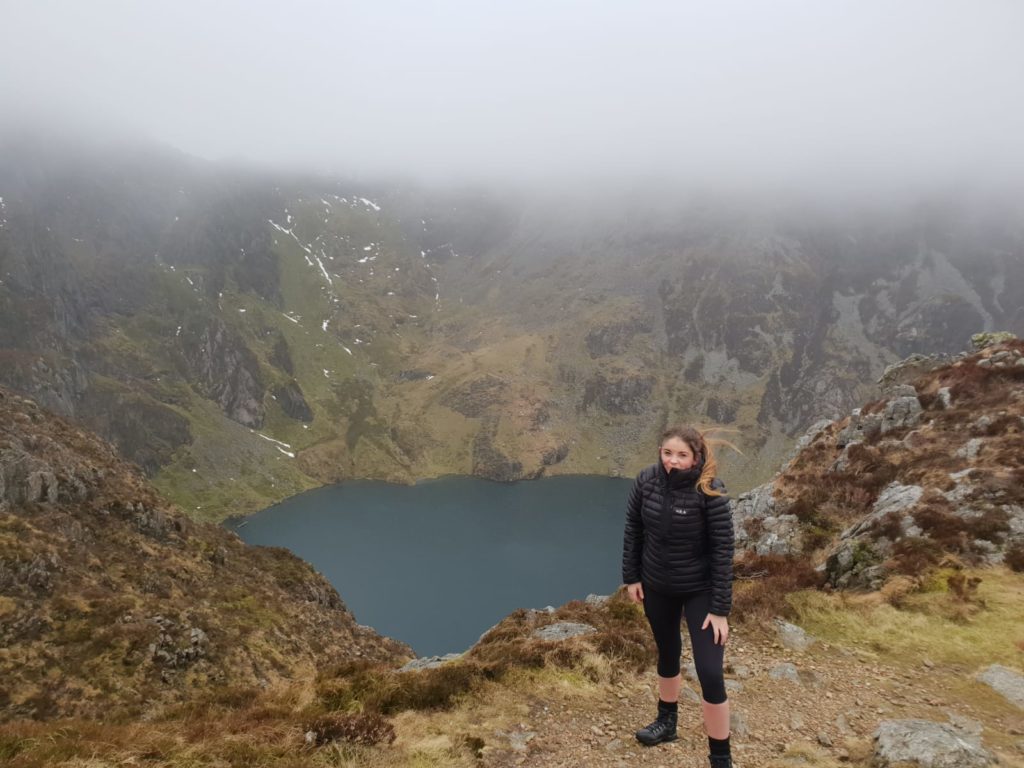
[817,707]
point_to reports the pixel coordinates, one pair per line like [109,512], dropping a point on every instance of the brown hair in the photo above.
[703,446]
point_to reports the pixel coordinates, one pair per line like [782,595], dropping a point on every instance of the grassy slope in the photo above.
[368,422]
[866,666]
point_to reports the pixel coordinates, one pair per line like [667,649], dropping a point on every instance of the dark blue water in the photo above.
[439,563]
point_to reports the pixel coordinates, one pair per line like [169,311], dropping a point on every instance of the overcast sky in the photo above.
[531,89]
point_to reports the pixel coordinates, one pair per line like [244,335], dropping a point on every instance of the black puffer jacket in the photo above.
[677,539]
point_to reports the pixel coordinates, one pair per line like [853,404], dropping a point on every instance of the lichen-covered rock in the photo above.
[901,413]
[895,498]
[855,563]
[762,525]
[563,630]
[927,744]
[784,671]
[429,662]
[970,449]
[908,369]
[1008,682]
[861,428]
[945,397]
[808,437]
[792,636]
[990,338]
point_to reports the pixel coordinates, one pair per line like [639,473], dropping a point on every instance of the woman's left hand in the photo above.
[720,625]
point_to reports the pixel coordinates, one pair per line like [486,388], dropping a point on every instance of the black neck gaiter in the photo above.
[672,482]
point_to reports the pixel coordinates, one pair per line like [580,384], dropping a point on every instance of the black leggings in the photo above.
[665,612]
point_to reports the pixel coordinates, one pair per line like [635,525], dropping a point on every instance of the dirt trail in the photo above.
[826,717]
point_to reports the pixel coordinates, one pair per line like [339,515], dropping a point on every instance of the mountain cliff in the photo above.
[243,336]
[930,474]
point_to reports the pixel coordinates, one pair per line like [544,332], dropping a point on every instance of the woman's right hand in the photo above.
[636,592]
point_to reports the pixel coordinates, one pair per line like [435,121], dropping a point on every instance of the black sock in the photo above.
[668,706]
[719,746]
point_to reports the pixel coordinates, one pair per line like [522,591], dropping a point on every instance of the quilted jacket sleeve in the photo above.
[720,536]
[633,539]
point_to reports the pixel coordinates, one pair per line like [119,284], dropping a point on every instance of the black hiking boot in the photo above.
[661,730]
[720,761]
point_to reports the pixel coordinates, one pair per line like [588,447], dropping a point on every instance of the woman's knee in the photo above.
[712,682]
[668,666]
[669,652]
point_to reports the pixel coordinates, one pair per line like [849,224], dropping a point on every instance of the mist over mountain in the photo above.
[251,249]
[733,94]
[244,334]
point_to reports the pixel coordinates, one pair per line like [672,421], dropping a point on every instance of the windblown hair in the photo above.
[703,446]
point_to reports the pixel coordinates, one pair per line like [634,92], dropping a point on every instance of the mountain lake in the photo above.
[438,563]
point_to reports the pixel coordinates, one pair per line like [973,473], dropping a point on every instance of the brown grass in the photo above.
[914,555]
[622,636]
[368,729]
[764,581]
[1014,557]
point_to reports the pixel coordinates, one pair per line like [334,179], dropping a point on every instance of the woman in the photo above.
[677,560]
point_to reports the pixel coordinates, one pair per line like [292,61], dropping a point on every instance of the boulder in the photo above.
[792,636]
[1007,682]
[894,498]
[927,744]
[784,671]
[429,662]
[563,630]
[901,413]
[762,525]
[988,339]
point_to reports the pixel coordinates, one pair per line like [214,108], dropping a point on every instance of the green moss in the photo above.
[864,555]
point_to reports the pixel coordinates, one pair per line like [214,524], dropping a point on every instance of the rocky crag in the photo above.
[113,602]
[931,470]
[243,337]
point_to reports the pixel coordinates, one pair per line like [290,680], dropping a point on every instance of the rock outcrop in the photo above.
[225,370]
[113,599]
[931,469]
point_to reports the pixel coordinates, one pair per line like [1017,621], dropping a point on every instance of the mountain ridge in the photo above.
[220,321]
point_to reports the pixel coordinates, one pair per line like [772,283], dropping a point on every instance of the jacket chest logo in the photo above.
[679,511]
